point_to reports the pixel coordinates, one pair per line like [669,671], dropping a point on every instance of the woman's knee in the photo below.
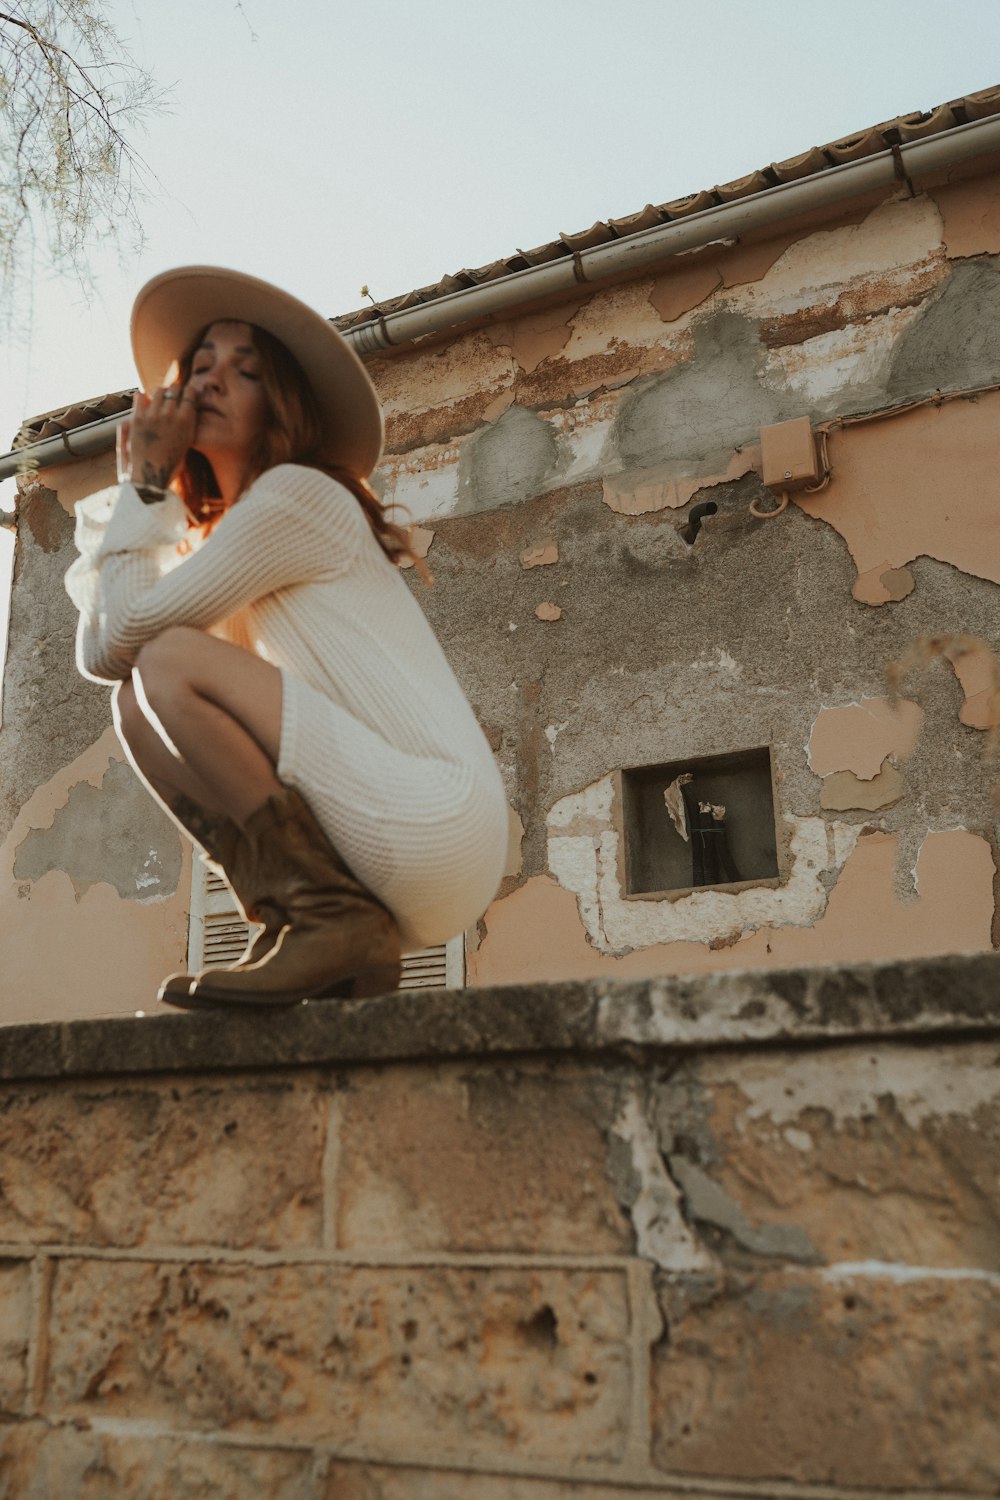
[166,653]
[163,665]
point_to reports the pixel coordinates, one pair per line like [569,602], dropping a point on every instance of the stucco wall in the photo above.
[551,461]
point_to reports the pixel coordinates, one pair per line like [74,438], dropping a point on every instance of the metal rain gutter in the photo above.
[600,262]
[79,442]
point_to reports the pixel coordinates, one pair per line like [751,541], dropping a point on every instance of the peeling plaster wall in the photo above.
[551,461]
[94,883]
[599,423]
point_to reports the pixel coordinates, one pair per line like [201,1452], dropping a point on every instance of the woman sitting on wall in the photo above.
[280,692]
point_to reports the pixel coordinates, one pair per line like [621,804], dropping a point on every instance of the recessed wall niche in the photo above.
[725,806]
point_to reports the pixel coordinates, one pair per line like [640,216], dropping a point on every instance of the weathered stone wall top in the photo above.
[636,1259]
[921,997]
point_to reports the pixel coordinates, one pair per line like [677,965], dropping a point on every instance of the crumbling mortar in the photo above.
[36,1376]
[198,1255]
[592,1480]
[329,1174]
[646,1326]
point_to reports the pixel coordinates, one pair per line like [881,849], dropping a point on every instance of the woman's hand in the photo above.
[153,441]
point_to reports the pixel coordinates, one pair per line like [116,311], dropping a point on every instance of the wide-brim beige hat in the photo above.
[176,305]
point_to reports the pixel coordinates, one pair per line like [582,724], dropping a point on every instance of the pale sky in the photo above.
[322,144]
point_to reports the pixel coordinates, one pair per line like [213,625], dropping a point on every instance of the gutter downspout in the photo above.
[587,267]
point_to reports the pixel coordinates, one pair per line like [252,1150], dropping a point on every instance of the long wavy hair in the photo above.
[292,433]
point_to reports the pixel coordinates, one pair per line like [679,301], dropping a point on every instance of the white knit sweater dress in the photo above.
[376,732]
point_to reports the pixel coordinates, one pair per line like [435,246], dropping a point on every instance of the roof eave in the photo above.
[602,263]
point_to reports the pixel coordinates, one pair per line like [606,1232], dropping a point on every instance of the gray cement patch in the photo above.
[50,713]
[505,463]
[955,343]
[693,416]
[114,833]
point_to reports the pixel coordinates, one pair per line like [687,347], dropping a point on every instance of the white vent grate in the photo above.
[425,970]
[224,939]
[218,935]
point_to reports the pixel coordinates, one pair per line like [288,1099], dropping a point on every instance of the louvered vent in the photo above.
[219,935]
[224,933]
[425,970]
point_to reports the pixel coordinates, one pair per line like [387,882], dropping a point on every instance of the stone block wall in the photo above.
[736,1235]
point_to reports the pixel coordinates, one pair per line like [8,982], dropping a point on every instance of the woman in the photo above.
[279,691]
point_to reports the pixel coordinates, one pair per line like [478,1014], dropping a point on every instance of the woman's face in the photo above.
[232,405]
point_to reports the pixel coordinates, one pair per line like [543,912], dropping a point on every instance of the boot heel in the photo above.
[380,981]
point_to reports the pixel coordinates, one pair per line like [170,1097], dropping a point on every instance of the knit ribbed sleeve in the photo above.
[293,525]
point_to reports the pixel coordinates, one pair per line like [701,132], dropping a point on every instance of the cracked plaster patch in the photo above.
[636,492]
[515,839]
[583,850]
[906,232]
[971,214]
[541,556]
[842,791]
[683,288]
[618,319]
[977,670]
[858,737]
[582,433]
[424,482]
[445,375]
[420,541]
[924,484]
[651,1195]
[858,356]
[883,585]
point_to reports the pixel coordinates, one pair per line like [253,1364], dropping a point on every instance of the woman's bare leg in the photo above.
[201,720]
[169,782]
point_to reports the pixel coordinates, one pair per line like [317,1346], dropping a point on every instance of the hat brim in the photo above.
[175,306]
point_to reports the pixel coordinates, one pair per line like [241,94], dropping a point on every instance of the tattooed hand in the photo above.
[153,441]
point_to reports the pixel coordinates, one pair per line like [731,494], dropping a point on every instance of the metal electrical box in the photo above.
[788,457]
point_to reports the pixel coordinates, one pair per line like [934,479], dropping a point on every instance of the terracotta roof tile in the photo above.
[915,127]
[679,208]
[743,187]
[599,234]
[978,106]
[67,419]
[647,218]
[803,165]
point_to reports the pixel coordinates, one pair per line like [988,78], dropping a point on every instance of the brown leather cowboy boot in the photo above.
[225,851]
[340,942]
